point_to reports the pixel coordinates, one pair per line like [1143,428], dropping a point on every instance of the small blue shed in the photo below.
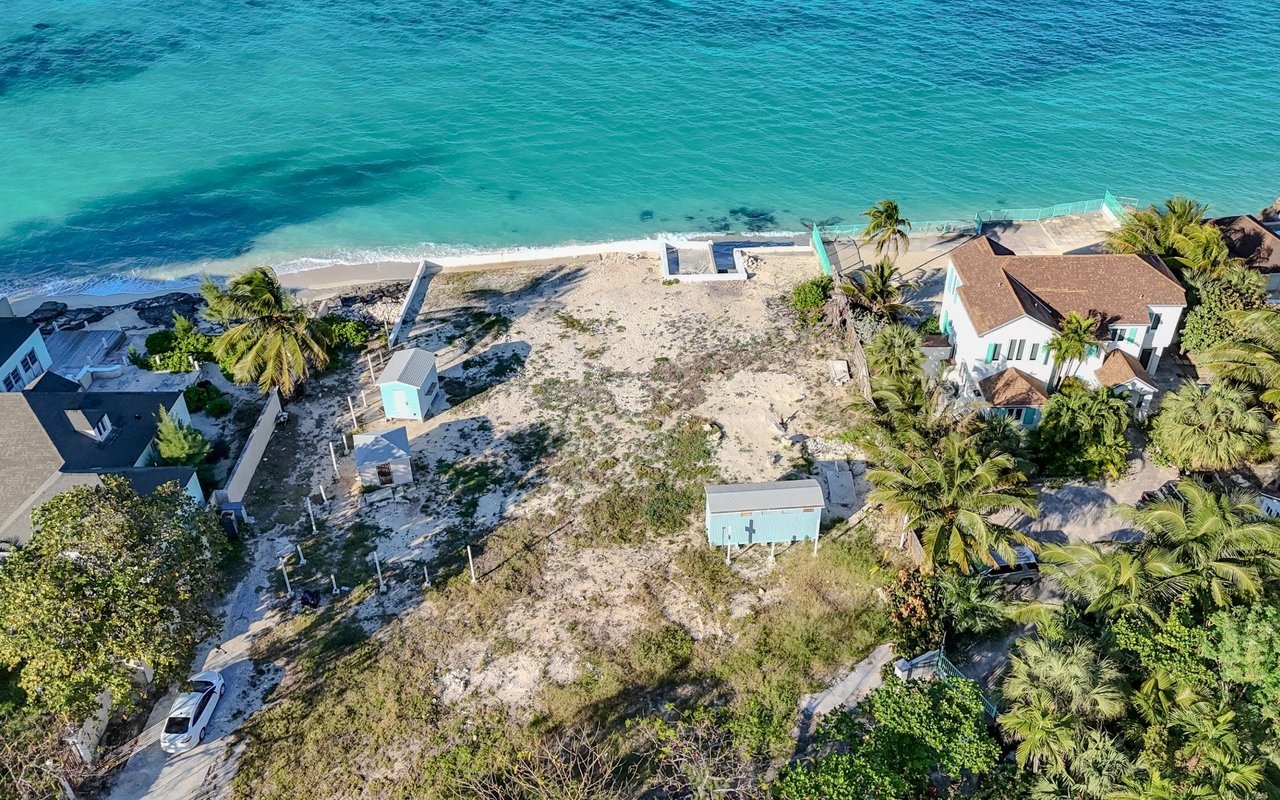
[746,513]
[409,384]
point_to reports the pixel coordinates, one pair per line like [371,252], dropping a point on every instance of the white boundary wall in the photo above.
[254,448]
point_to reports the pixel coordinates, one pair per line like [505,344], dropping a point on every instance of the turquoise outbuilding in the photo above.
[748,513]
[409,384]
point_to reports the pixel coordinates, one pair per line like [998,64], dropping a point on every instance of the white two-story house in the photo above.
[1000,310]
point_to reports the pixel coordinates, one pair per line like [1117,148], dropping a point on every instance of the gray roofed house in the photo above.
[754,513]
[61,439]
[411,366]
[14,332]
[408,384]
[763,496]
[383,458]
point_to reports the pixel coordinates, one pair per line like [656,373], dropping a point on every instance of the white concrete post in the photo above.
[426,577]
[815,544]
[333,454]
[324,498]
[773,551]
[302,562]
[355,423]
[284,570]
[382,587]
[728,538]
[334,580]
[365,397]
[369,358]
[312,514]
[472,564]
[380,361]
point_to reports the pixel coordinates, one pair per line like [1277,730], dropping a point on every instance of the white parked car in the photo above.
[192,710]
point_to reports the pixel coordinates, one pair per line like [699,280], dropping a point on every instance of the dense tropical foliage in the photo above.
[1082,432]
[1155,677]
[109,581]
[1209,428]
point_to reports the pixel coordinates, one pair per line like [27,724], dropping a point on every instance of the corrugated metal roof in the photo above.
[382,447]
[764,496]
[410,366]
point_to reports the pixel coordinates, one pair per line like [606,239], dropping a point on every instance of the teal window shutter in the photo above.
[1133,335]
[992,351]
[1030,417]
[1047,353]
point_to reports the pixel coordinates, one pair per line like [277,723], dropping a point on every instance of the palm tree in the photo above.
[1201,253]
[895,352]
[887,228]
[877,289]
[907,411]
[1095,772]
[972,607]
[1054,689]
[1228,550]
[1213,752]
[1115,582]
[1070,345]
[1154,230]
[1253,357]
[1210,430]
[269,338]
[949,494]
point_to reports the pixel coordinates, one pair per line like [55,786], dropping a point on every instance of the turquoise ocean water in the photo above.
[139,136]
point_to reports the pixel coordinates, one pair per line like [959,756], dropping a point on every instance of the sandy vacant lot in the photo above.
[560,383]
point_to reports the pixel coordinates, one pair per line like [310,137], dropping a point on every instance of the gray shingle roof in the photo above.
[764,496]
[40,441]
[13,332]
[411,366]
[381,447]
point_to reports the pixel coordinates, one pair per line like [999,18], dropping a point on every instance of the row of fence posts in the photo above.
[337,472]
[377,567]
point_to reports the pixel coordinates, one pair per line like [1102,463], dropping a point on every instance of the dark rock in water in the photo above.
[160,310]
[48,311]
[646,215]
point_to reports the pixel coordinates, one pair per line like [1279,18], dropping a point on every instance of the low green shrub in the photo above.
[809,297]
[199,397]
[345,332]
[929,326]
[656,653]
[218,407]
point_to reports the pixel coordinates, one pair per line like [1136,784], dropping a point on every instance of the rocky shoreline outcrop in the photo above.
[373,303]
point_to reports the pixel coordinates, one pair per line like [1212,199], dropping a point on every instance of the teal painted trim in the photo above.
[992,349]
[821,249]
[1132,336]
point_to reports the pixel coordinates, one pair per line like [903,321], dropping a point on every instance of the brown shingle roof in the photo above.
[998,286]
[1249,239]
[1119,367]
[1013,387]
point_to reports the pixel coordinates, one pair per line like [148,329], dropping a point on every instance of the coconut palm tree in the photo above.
[1115,581]
[1153,230]
[1214,752]
[887,228]
[1228,550]
[878,289]
[1043,733]
[1253,357]
[948,494]
[269,338]
[908,412]
[1070,345]
[1201,253]
[1210,430]
[895,352]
